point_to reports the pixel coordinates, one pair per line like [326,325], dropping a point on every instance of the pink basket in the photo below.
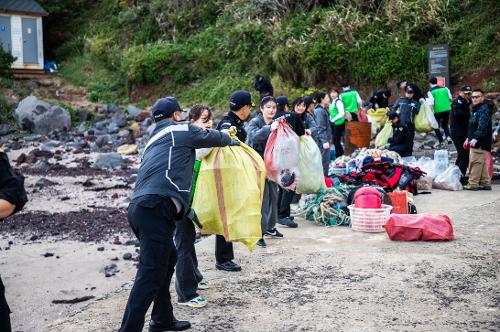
[369,220]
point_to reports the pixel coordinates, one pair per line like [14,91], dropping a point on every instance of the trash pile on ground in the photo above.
[373,187]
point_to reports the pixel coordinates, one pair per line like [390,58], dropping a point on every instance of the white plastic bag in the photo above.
[311,178]
[426,164]
[440,162]
[282,156]
[449,179]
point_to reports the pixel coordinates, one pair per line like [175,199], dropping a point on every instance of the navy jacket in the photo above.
[168,161]
[407,109]
[480,126]
[232,120]
[459,117]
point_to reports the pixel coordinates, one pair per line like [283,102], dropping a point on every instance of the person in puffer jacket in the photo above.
[259,130]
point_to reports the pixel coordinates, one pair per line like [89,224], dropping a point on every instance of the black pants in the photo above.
[338,133]
[442,119]
[153,222]
[187,275]
[223,250]
[462,155]
[4,310]
[285,198]
[354,117]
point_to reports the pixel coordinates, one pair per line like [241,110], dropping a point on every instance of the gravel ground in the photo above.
[327,279]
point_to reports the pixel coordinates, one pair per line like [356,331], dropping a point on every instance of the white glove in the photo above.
[225,131]
[495,136]
[473,142]
[308,132]
[326,146]
[274,125]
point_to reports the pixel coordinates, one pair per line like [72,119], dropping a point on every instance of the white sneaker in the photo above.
[197,302]
[202,285]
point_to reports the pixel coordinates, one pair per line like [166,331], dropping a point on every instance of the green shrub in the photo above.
[6,61]
[6,114]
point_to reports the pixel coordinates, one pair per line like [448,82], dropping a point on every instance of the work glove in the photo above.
[326,146]
[234,142]
[274,125]
[466,144]
[308,132]
[473,142]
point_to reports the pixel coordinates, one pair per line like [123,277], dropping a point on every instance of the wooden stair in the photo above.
[27,74]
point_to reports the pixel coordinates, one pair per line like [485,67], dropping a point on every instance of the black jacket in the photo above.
[293,120]
[407,109]
[168,161]
[379,99]
[232,120]
[401,140]
[459,117]
[309,123]
[11,184]
[264,86]
[480,126]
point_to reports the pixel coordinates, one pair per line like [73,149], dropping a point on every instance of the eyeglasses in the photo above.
[476,97]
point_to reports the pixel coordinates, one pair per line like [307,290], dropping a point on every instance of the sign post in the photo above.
[439,63]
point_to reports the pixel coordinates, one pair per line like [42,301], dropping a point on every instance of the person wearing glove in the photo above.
[337,119]
[240,103]
[297,121]
[188,277]
[479,137]
[161,196]
[322,118]
[259,129]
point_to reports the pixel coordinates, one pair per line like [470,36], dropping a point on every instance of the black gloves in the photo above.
[234,142]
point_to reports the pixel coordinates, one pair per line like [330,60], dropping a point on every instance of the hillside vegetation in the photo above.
[200,50]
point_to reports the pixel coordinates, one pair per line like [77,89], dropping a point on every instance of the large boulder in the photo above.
[40,117]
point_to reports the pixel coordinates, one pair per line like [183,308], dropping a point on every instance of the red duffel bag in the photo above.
[423,226]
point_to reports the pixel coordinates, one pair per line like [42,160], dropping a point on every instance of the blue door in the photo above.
[5,37]
[30,41]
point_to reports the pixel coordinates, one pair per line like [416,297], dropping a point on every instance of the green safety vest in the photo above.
[334,111]
[350,100]
[441,100]
[197,166]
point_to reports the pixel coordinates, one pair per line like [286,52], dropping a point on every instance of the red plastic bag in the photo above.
[415,227]
[362,115]
[282,156]
[489,164]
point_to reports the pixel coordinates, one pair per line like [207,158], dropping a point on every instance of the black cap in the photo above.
[466,89]
[164,108]
[240,99]
[282,100]
[409,89]
[308,100]
[392,114]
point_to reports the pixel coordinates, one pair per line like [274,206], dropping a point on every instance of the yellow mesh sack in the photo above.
[229,190]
